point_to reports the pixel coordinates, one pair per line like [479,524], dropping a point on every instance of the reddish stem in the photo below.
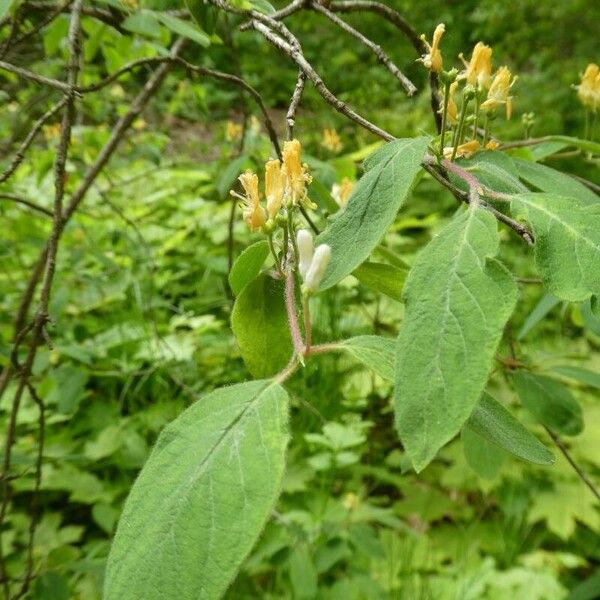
[290,305]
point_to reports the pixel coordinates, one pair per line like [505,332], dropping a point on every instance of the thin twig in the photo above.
[290,305]
[383,58]
[25,202]
[580,472]
[35,77]
[20,154]
[290,117]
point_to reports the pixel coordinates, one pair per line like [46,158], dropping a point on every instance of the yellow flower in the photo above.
[341,192]
[331,140]
[295,171]
[52,132]
[498,93]
[465,149]
[139,124]
[479,70]
[433,59]
[274,186]
[452,113]
[254,214]
[233,131]
[588,91]
[492,145]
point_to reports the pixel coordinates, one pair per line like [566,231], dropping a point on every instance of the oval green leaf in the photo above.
[259,323]
[375,352]
[202,498]
[458,299]
[354,232]
[386,279]
[550,402]
[495,423]
[247,266]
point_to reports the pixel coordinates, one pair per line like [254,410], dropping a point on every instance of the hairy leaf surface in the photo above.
[375,352]
[247,265]
[354,232]
[496,424]
[259,323]
[550,402]
[567,243]
[383,278]
[458,299]
[202,498]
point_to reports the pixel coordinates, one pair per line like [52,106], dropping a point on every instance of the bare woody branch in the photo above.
[406,83]
[290,117]
[19,200]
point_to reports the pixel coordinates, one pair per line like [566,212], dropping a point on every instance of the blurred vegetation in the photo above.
[139,316]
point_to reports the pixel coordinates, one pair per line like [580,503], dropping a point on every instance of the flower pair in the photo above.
[285,184]
[312,262]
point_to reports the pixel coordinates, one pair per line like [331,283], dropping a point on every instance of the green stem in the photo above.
[476,124]
[586,131]
[275,257]
[486,130]
[444,117]
[459,129]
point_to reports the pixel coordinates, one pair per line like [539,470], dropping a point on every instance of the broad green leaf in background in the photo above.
[204,13]
[143,22]
[382,278]
[584,376]
[540,310]
[567,243]
[247,265]
[375,352]
[550,402]
[229,174]
[495,423]
[259,323]
[495,170]
[354,232]
[458,299]
[303,574]
[549,180]
[183,28]
[202,498]
[482,456]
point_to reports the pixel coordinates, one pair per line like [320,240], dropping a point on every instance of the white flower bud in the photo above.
[305,250]
[317,267]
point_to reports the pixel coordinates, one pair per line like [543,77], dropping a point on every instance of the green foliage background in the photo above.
[140,320]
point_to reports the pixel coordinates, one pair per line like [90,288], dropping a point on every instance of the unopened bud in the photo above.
[317,268]
[305,251]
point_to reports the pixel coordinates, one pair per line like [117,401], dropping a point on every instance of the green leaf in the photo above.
[550,402]
[494,423]
[586,590]
[567,243]
[262,6]
[50,586]
[482,456]
[584,376]
[183,28]
[495,170]
[549,180]
[382,278]
[259,323]
[375,352]
[247,266]
[354,232]
[203,13]
[541,309]
[203,497]
[303,573]
[458,299]
[143,22]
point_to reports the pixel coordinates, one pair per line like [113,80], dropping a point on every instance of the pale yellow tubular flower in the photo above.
[295,172]
[254,214]
[452,113]
[464,150]
[498,92]
[433,59]
[233,131]
[479,69]
[331,140]
[274,186]
[341,192]
[492,145]
[588,91]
